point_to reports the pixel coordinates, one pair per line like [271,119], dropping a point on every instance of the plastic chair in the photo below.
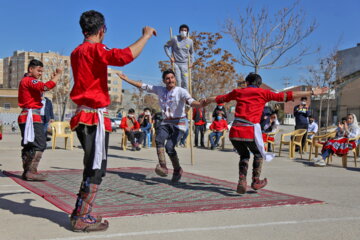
[295,140]
[123,140]
[272,143]
[317,142]
[62,129]
[308,141]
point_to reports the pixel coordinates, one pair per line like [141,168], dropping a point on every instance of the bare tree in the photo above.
[263,39]
[324,75]
[62,90]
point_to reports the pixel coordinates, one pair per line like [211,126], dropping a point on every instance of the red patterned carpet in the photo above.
[138,191]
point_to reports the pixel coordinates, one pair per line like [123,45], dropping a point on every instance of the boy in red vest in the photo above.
[33,138]
[200,125]
[91,122]
[245,133]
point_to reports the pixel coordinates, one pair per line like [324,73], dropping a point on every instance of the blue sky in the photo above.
[49,25]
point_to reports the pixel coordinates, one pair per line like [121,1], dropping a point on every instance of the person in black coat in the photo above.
[47,114]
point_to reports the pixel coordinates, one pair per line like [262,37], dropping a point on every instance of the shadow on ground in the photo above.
[193,186]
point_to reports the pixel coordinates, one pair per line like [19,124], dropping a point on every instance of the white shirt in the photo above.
[313,127]
[172,103]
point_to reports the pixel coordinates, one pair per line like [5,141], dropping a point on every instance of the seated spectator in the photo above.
[218,126]
[145,121]
[313,127]
[340,144]
[132,130]
[269,125]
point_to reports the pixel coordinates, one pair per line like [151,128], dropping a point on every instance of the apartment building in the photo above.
[15,66]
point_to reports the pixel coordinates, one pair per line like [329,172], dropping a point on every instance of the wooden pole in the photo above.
[190,113]
[172,64]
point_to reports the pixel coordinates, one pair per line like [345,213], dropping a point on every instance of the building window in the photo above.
[116,82]
[109,89]
[7,106]
[109,81]
[109,74]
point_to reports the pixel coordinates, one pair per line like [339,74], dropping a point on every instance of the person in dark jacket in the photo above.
[301,114]
[47,114]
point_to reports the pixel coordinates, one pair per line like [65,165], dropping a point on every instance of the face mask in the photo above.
[303,103]
[218,117]
[130,115]
[183,33]
[147,113]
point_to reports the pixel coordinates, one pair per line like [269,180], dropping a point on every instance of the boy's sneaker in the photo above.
[319,162]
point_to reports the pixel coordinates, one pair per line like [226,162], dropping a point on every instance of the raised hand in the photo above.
[319,91]
[149,31]
[122,76]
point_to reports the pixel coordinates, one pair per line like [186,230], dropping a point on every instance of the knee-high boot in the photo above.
[177,169]
[32,173]
[161,168]
[81,220]
[256,182]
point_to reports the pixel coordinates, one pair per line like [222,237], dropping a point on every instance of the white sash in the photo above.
[100,151]
[267,156]
[29,134]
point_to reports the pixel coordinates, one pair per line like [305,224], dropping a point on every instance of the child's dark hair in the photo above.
[166,72]
[91,22]
[35,63]
[253,79]
[184,26]
[131,110]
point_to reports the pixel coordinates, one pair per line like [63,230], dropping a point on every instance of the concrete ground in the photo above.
[25,215]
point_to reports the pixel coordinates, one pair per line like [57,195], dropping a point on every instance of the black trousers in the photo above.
[199,129]
[171,135]
[243,148]
[86,135]
[39,143]
[135,134]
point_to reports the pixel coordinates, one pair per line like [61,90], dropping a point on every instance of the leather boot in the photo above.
[256,182]
[161,168]
[242,185]
[32,174]
[27,156]
[177,169]
[88,224]
[81,220]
